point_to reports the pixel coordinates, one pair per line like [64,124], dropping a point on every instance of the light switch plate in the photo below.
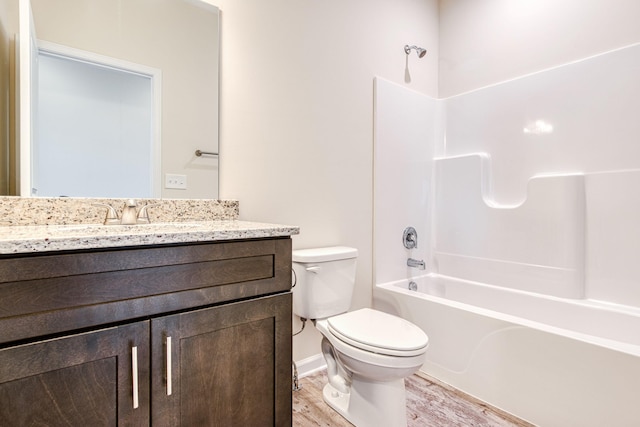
[175,181]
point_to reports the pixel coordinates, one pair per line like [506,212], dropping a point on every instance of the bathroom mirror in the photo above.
[174,44]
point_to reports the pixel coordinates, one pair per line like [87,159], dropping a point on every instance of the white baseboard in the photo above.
[310,365]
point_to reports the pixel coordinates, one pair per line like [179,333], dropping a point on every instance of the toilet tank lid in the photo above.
[331,253]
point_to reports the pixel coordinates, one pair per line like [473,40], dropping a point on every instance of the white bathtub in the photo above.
[550,361]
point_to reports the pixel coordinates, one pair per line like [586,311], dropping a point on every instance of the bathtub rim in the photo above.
[607,343]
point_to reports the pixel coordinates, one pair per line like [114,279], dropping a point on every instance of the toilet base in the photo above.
[370,403]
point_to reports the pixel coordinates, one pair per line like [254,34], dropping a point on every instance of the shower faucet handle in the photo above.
[410,238]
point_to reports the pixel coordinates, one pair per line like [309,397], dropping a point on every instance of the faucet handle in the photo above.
[112,215]
[410,238]
[143,215]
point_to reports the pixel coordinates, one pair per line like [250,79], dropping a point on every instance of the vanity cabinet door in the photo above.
[79,380]
[228,365]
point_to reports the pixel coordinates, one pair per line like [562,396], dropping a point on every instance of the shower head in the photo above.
[420,51]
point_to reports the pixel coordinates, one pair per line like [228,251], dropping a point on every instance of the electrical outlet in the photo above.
[178,182]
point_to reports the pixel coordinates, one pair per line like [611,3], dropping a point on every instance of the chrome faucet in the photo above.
[416,263]
[130,215]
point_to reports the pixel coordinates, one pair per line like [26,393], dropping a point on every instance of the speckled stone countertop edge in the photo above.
[19,211]
[49,238]
[39,224]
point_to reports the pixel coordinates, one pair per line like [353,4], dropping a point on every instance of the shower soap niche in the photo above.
[537,245]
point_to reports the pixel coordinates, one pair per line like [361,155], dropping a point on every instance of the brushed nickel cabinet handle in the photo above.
[169,366]
[134,369]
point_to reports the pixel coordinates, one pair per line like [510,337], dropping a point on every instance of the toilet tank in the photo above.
[325,279]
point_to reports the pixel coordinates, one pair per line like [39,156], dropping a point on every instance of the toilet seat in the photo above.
[378,332]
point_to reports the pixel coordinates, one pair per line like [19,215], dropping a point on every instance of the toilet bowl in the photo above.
[368,352]
[375,370]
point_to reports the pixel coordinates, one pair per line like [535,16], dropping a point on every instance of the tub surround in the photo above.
[523,189]
[547,256]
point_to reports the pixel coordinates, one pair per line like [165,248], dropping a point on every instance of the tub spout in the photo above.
[416,263]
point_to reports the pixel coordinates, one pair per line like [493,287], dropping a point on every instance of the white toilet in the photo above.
[368,352]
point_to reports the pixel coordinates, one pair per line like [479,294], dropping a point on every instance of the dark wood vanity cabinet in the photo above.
[206,334]
[79,380]
[227,369]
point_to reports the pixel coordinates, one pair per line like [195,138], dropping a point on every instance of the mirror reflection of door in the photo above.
[94,129]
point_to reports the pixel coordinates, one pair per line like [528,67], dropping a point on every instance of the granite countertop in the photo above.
[45,238]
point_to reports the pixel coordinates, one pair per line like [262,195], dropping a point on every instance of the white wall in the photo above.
[488,41]
[297,94]
[297,114]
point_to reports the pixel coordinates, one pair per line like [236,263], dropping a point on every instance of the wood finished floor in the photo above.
[429,404]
